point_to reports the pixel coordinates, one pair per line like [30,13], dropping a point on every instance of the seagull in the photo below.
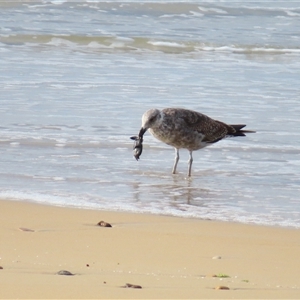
[184,129]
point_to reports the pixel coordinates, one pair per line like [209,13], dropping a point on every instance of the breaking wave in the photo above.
[108,44]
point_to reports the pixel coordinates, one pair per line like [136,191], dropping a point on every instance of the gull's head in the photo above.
[150,119]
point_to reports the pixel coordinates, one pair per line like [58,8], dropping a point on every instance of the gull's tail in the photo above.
[239,132]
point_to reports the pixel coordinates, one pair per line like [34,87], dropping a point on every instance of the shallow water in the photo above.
[77,76]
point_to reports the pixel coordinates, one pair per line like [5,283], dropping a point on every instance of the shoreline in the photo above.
[169,257]
[154,213]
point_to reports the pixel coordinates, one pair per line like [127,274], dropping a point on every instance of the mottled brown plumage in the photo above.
[183,128]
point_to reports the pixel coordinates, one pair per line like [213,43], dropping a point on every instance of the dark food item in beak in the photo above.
[138,146]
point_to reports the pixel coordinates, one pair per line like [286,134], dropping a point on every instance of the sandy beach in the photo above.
[167,257]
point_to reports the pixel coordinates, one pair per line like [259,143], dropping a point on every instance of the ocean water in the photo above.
[77,76]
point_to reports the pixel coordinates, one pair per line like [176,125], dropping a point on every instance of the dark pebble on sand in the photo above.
[1,268]
[103,224]
[64,272]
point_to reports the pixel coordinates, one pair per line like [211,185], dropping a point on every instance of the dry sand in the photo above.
[168,257]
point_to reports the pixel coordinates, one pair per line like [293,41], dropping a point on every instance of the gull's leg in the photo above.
[190,161]
[176,160]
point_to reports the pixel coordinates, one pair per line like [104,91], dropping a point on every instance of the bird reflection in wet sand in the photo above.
[184,129]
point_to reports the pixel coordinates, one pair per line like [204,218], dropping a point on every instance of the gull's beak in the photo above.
[142,132]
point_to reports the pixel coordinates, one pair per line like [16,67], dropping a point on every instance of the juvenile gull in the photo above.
[183,128]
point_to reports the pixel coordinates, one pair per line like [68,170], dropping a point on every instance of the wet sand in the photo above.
[168,257]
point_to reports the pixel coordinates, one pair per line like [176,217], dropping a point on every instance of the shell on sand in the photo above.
[26,229]
[65,272]
[222,287]
[133,286]
[103,224]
